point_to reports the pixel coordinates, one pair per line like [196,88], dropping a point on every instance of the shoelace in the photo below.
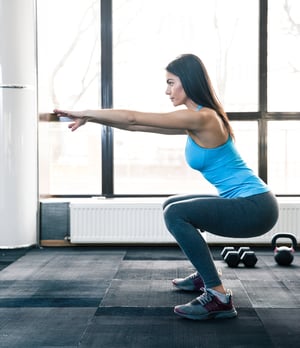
[205,297]
[194,275]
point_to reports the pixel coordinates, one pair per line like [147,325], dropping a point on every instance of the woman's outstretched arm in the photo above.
[177,122]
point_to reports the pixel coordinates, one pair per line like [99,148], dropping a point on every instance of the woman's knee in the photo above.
[173,217]
[170,212]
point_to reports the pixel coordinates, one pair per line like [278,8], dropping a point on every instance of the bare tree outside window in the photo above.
[69,75]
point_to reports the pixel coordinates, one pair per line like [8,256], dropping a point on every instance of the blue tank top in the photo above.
[224,168]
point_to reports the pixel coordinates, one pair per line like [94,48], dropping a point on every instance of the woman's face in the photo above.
[175,90]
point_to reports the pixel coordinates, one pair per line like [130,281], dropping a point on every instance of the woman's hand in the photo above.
[78,117]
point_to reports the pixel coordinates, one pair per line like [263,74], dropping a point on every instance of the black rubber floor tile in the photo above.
[53,288]
[36,302]
[270,262]
[8,256]
[271,294]
[43,327]
[252,274]
[64,266]
[293,286]
[134,311]
[282,325]
[159,327]
[153,269]
[145,293]
[161,253]
[161,293]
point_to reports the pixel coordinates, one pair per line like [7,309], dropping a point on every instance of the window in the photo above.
[284,53]
[228,45]
[283,96]
[68,77]
[249,47]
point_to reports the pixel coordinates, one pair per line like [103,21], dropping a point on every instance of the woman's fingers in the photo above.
[76,124]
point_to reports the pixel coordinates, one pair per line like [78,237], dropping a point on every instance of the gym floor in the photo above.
[121,297]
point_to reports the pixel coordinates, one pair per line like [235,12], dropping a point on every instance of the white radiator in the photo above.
[140,220]
[118,220]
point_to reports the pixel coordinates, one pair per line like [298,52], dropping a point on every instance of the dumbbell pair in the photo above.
[243,255]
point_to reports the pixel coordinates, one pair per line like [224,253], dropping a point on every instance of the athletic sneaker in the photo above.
[193,282]
[207,306]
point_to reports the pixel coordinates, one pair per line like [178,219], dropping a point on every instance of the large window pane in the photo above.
[284,53]
[147,35]
[68,62]
[283,156]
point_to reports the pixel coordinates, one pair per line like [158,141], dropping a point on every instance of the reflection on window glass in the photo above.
[284,53]
[68,63]
[145,40]
[283,157]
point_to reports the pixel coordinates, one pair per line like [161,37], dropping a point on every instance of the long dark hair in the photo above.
[197,85]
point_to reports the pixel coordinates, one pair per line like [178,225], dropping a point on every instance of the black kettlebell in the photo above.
[284,255]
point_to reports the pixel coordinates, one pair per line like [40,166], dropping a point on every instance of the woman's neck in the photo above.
[192,106]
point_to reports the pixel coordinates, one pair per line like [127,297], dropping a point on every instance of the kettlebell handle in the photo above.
[284,235]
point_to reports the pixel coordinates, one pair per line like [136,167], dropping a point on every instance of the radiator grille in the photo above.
[118,221]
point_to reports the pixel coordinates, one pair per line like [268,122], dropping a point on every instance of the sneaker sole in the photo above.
[212,315]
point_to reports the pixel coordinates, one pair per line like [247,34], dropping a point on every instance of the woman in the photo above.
[244,207]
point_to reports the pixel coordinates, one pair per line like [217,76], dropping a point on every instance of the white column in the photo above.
[18,124]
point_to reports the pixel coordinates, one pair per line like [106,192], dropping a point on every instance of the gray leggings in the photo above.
[241,217]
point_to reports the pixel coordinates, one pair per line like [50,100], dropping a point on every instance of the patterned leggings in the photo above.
[242,217]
